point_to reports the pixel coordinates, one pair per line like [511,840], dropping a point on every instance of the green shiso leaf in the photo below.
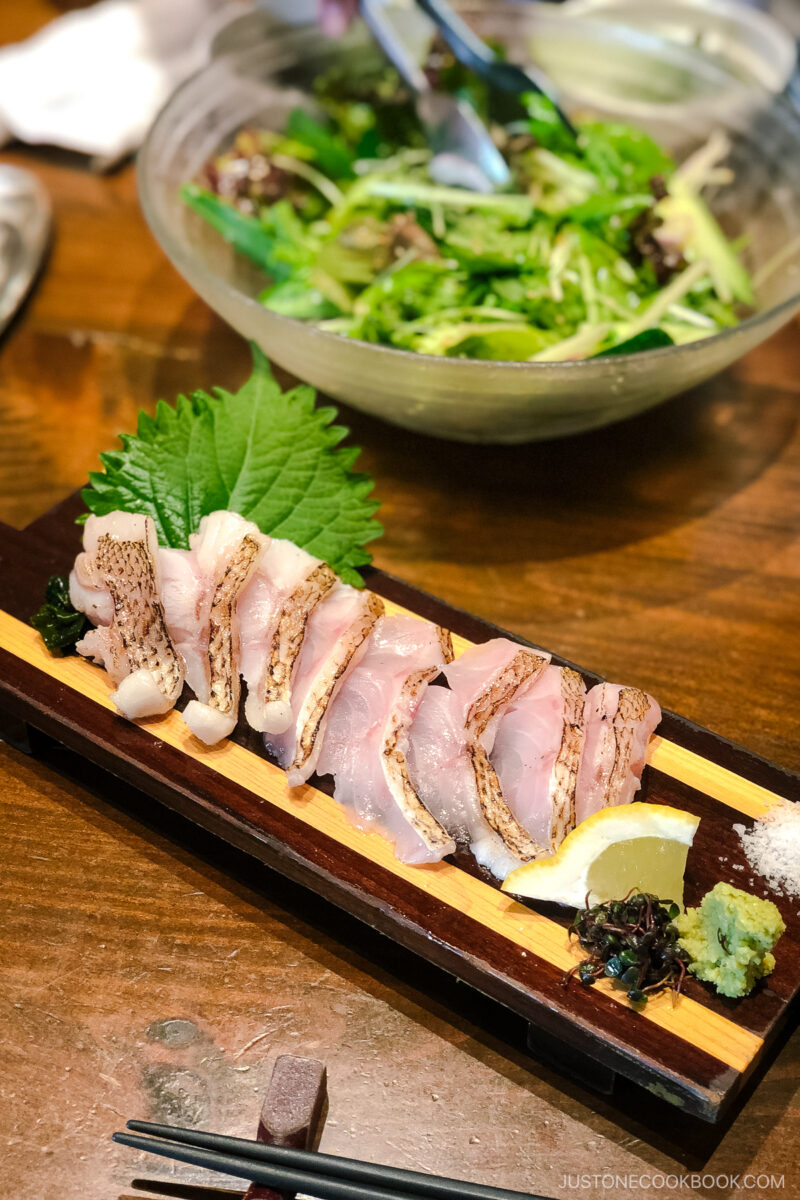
[272,456]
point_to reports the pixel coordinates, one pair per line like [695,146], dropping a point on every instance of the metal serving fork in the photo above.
[464,153]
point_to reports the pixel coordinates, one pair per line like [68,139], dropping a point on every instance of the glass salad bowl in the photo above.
[678,97]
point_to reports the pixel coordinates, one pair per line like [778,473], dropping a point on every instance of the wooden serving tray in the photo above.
[696,1053]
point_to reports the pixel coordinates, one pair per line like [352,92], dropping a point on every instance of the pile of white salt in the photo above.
[772,847]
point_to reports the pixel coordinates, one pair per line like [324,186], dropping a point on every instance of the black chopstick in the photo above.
[323,1175]
[181,1191]
[476,54]
[284,1179]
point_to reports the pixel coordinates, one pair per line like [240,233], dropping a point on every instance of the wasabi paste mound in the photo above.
[730,939]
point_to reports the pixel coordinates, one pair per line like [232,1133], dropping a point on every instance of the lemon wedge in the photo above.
[641,846]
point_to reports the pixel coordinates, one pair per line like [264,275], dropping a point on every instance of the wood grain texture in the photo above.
[665,541]
[479,901]
[695,1051]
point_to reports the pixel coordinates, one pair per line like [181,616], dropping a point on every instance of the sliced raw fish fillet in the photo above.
[115,581]
[366,736]
[450,746]
[182,597]
[274,609]
[441,771]
[288,642]
[200,590]
[619,721]
[481,724]
[335,641]
[537,753]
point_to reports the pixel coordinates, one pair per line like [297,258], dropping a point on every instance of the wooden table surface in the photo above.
[137,980]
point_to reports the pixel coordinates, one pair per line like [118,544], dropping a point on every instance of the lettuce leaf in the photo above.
[648,339]
[277,240]
[272,456]
[546,125]
[330,152]
[622,157]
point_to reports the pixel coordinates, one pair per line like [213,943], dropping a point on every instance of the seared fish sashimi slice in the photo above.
[451,742]
[619,721]
[273,611]
[335,640]
[287,642]
[200,590]
[481,723]
[115,582]
[366,736]
[537,754]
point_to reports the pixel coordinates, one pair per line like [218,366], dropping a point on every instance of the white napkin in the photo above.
[94,79]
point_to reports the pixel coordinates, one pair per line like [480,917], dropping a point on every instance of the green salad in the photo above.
[600,247]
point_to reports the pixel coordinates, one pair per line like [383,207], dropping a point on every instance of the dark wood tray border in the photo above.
[706,1087]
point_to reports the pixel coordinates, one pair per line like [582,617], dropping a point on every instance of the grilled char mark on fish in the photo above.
[201,590]
[287,642]
[366,738]
[115,581]
[446,642]
[536,753]
[311,719]
[618,721]
[223,649]
[213,715]
[444,771]
[128,571]
[333,645]
[632,710]
[280,572]
[523,669]
[395,767]
[568,759]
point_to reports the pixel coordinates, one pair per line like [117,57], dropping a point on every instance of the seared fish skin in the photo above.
[335,642]
[222,649]
[115,581]
[568,759]
[523,670]
[537,753]
[450,748]
[287,642]
[395,766]
[365,740]
[200,589]
[274,609]
[619,721]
